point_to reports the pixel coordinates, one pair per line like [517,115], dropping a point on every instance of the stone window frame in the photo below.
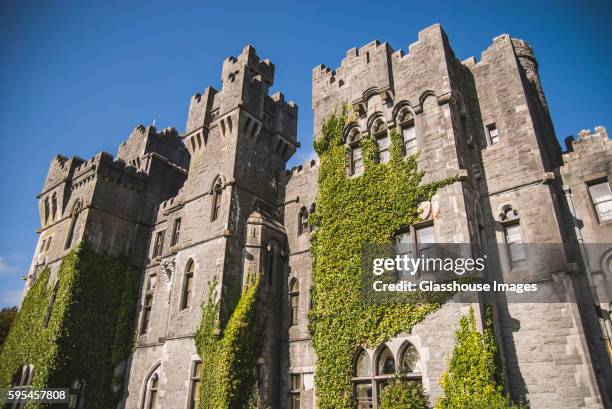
[296,386]
[54,209]
[353,143]
[509,219]
[176,231]
[589,185]
[379,130]
[187,287]
[194,384]
[47,210]
[151,388]
[490,127]
[294,301]
[147,304]
[22,380]
[158,243]
[216,195]
[377,380]
[77,392]
[303,224]
[413,231]
[406,119]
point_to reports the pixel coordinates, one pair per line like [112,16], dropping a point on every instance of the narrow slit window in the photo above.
[176,231]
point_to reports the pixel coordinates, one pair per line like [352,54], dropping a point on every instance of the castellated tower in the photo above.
[486,121]
[224,223]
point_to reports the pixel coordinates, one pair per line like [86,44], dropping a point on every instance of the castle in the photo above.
[215,202]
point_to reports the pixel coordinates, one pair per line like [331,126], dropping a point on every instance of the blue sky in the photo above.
[76,77]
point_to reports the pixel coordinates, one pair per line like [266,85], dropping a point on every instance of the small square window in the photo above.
[493,133]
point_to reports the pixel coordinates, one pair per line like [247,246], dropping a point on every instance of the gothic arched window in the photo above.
[53,207]
[294,300]
[409,360]
[385,365]
[381,135]
[313,208]
[151,395]
[355,154]
[216,199]
[187,286]
[362,380]
[303,221]
[408,132]
[47,210]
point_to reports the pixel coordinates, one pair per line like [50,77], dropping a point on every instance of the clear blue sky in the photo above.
[76,77]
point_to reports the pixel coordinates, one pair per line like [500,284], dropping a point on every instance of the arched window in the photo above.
[409,360]
[46,210]
[22,380]
[362,380]
[76,209]
[303,221]
[51,304]
[151,394]
[510,221]
[313,208]
[216,199]
[385,365]
[53,207]
[187,286]
[355,154]
[77,392]
[408,131]
[294,300]
[379,132]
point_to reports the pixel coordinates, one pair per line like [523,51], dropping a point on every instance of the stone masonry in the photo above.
[215,202]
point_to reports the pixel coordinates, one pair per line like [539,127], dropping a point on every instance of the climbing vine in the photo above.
[473,378]
[353,212]
[89,332]
[229,354]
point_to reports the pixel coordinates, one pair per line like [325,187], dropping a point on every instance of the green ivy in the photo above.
[89,331]
[404,394]
[229,355]
[352,212]
[473,378]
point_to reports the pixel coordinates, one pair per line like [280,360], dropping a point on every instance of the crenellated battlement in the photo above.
[143,140]
[248,59]
[587,141]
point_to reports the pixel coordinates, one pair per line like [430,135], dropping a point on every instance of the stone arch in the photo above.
[426,94]
[155,370]
[374,121]
[402,108]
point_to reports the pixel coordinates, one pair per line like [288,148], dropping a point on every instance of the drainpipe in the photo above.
[587,268]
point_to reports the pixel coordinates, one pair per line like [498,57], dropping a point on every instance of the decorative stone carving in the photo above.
[167,266]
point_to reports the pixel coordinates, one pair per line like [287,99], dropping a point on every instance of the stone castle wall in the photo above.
[233,153]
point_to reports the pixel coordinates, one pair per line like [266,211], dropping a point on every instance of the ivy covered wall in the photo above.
[229,354]
[353,212]
[89,332]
